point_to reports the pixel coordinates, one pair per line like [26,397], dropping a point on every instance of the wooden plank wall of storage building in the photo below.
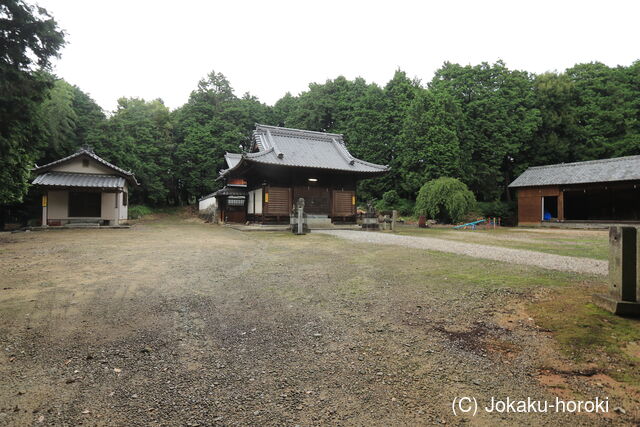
[530,204]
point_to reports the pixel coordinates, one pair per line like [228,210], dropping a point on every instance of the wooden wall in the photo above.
[343,203]
[530,204]
[278,201]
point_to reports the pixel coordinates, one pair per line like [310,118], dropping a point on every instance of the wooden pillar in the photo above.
[561,205]
[117,221]
[45,207]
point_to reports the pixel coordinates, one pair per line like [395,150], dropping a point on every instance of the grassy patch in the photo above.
[170,213]
[588,334]
[138,211]
[580,244]
[462,272]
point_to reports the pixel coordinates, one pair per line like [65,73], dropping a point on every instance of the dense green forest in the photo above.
[483,124]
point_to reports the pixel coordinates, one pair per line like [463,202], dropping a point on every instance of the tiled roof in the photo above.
[607,170]
[85,180]
[231,191]
[88,152]
[232,159]
[302,148]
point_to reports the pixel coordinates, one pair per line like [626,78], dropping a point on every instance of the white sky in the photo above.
[160,49]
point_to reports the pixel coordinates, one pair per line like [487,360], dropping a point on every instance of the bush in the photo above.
[497,209]
[137,211]
[446,200]
[392,201]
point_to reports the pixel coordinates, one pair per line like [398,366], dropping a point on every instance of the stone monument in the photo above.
[623,296]
[298,219]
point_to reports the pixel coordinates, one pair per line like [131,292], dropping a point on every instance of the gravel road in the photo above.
[496,253]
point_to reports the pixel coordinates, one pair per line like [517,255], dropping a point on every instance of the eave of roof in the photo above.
[252,160]
[227,191]
[80,180]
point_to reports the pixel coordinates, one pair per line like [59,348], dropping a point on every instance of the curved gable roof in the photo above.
[302,148]
[128,175]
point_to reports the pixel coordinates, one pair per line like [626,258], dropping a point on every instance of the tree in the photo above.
[555,139]
[138,137]
[606,110]
[369,117]
[58,119]
[499,117]
[212,122]
[429,145]
[445,199]
[29,38]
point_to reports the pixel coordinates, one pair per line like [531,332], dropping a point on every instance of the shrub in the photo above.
[445,199]
[497,209]
[137,211]
[389,201]
[392,201]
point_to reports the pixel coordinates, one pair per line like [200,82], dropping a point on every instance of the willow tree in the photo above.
[445,199]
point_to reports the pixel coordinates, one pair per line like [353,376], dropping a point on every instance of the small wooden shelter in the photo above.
[83,188]
[284,165]
[597,191]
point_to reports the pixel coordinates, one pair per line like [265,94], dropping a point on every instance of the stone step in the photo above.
[82,224]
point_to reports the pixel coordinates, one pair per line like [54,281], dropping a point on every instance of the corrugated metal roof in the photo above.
[302,148]
[606,170]
[85,180]
[88,152]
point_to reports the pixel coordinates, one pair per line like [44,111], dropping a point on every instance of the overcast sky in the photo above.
[158,49]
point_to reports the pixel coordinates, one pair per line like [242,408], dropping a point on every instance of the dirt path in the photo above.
[180,323]
[517,256]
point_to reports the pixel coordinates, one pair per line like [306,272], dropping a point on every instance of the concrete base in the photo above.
[622,308]
[274,227]
[63,227]
[319,221]
[581,225]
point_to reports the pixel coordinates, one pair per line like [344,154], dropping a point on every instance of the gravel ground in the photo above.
[178,323]
[517,256]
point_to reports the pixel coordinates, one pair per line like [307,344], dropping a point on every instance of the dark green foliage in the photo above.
[138,137]
[392,201]
[499,118]
[29,38]
[370,118]
[429,146]
[66,117]
[389,201]
[212,122]
[445,199]
[606,107]
[498,208]
[138,211]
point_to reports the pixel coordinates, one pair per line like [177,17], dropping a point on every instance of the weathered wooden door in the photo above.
[317,200]
[344,203]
